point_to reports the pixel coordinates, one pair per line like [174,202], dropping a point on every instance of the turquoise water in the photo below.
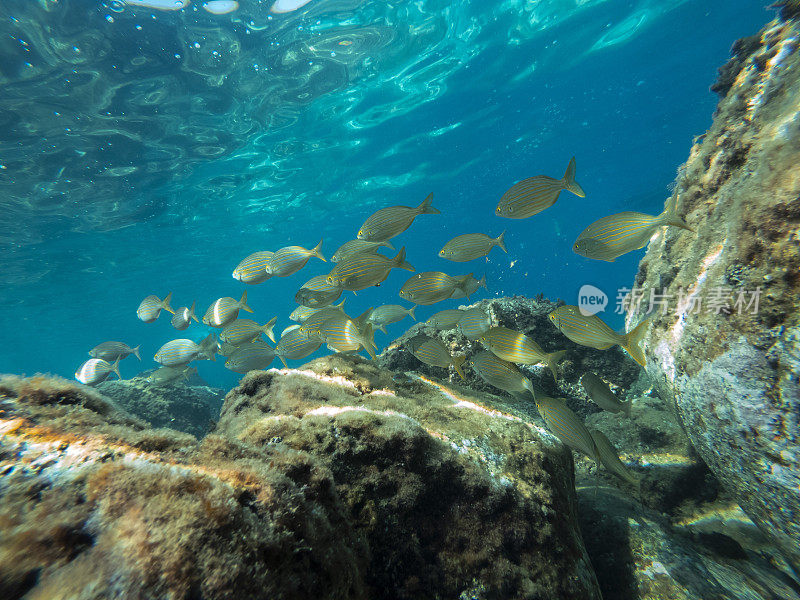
[145,151]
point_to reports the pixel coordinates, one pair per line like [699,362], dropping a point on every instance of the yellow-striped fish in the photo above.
[469,287]
[567,426]
[433,352]
[109,351]
[352,247]
[253,355]
[291,259]
[253,269]
[501,373]
[314,321]
[618,234]
[164,375]
[225,310]
[96,370]
[301,313]
[183,317]
[430,287]
[151,307]
[589,330]
[609,458]
[342,334]
[365,270]
[393,220]
[294,345]
[531,196]
[242,331]
[177,353]
[318,292]
[388,314]
[474,323]
[447,319]
[471,246]
[209,347]
[517,347]
[601,394]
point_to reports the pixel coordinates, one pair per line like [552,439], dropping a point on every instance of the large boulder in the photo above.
[726,353]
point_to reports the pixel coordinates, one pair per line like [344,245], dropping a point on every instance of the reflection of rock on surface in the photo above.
[733,378]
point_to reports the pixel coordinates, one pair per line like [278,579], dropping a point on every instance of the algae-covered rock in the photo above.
[726,353]
[453,494]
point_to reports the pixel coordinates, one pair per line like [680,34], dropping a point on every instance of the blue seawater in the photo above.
[144,151]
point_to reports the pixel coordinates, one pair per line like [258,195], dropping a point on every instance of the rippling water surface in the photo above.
[145,151]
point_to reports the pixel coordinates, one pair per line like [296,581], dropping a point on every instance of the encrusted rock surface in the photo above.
[732,375]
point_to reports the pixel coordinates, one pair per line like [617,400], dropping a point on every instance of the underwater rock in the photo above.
[94,504]
[726,355]
[188,408]
[453,496]
[529,316]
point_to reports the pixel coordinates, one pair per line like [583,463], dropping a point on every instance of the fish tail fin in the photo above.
[425,208]
[317,251]
[458,360]
[668,217]
[243,302]
[482,282]
[551,360]
[165,303]
[285,366]
[411,312]
[341,304]
[361,319]
[136,352]
[526,383]
[191,312]
[382,328]
[501,242]
[267,329]
[115,368]
[387,244]
[569,180]
[368,340]
[632,339]
[400,261]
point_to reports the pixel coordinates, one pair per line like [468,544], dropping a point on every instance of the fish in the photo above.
[474,322]
[567,426]
[301,313]
[469,287]
[471,246]
[317,292]
[225,310]
[590,330]
[500,373]
[531,196]
[295,344]
[609,458]
[352,247]
[447,319]
[518,348]
[433,352]
[151,307]
[183,317]
[254,355]
[430,287]
[109,351]
[226,349]
[313,322]
[388,314]
[253,268]
[177,353]
[209,347]
[601,394]
[393,220]
[291,259]
[96,370]
[164,375]
[365,270]
[624,232]
[343,334]
[242,331]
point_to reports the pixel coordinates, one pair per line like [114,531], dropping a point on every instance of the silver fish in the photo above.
[251,356]
[500,373]
[361,271]
[301,313]
[318,292]
[601,394]
[314,321]
[393,220]
[225,310]
[109,351]
[469,287]
[253,269]
[609,458]
[295,344]
[474,323]
[183,317]
[388,314]
[208,348]
[433,352]
[177,353]
[352,247]
[531,196]
[518,348]
[164,375]
[342,334]
[471,246]
[289,260]
[151,307]
[96,370]
[447,319]
[430,287]
[566,426]
[242,331]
